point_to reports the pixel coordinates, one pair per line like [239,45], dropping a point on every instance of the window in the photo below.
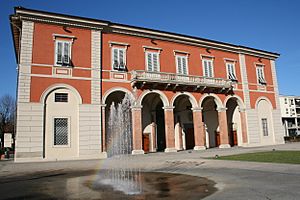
[152,60]
[182,67]
[291,102]
[61,97]
[118,59]
[286,111]
[265,126]
[61,131]
[260,74]
[231,71]
[208,68]
[63,53]
[285,100]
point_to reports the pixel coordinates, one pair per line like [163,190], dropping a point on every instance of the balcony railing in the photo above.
[144,77]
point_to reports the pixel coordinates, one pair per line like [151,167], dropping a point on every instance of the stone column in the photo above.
[153,137]
[169,129]
[137,136]
[224,139]
[199,132]
[103,128]
[243,125]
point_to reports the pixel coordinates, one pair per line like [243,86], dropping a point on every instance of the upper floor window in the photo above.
[62,53]
[231,71]
[152,61]
[208,67]
[285,100]
[118,58]
[260,74]
[182,64]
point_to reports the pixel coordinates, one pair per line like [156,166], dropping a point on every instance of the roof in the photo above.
[69,20]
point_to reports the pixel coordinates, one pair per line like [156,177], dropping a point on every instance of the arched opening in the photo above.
[211,122]
[153,123]
[264,109]
[112,102]
[184,127]
[61,124]
[234,122]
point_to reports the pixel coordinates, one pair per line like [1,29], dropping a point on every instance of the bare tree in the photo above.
[7,115]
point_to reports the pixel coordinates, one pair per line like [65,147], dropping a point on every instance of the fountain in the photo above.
[125,179]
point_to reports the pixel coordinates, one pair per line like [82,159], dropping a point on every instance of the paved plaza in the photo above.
[234,179]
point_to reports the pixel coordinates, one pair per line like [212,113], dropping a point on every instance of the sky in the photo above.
[271,25]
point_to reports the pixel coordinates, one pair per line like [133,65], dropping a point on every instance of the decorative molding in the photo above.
[112,43]
[63,36]
[230,60]
[180,52]
[205,56]
[152,48]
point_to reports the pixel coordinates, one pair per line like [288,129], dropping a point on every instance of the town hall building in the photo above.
[187,92]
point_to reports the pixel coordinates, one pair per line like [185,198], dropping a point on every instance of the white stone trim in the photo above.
[244,80]
[275,84]
[117,89]
[162,96]
[216,99]
[96,67]
[191,97]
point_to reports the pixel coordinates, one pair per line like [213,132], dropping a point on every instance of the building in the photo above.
[290,113]
[187,92]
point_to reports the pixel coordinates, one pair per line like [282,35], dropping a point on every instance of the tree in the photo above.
[7,115]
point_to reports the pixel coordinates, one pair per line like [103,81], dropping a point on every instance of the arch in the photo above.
[116,89]
[162,96]
[60,86]
[217,100]
[263,98]
[238,100]
[192,99]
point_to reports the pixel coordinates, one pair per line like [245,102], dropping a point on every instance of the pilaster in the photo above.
[199,132]
[224,139]
[169,129]
[137,129]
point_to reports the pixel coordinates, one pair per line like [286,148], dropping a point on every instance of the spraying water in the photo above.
[119,132]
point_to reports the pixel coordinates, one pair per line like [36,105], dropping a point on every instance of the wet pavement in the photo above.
[221,179]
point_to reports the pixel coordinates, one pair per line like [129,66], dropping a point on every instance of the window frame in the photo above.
[56,93]
[69,131]
[63,48]
[233,69]
[158,60]
[212,66]
[262,72]
[124,58]
[265,130]
[187,65]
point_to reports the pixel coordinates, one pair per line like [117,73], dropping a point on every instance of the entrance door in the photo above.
[160,136]
[189,138]
[146,143]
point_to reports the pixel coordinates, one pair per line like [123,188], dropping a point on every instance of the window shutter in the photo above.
[155,62]
[59,53]
[121,59]
[179,65]
[115,59]
[184,70]
[149,60]
[66,53]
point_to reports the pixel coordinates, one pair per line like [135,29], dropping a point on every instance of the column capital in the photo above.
[242,109]
[197,109]
[221,109]
[103,105]
[136,107]
[168,108]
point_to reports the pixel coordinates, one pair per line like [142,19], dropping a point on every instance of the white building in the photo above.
[290,112]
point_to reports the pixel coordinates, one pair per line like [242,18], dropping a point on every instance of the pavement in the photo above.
[234,179]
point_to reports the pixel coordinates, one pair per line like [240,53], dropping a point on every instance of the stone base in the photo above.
[224,146]
[137,152]
[197,148]
[169,150]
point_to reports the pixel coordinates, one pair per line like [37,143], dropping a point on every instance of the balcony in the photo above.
[170,81]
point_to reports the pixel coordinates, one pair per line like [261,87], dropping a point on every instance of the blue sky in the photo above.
[271,25]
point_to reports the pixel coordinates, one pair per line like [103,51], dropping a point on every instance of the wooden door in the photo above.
[146,143]
[189,138]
